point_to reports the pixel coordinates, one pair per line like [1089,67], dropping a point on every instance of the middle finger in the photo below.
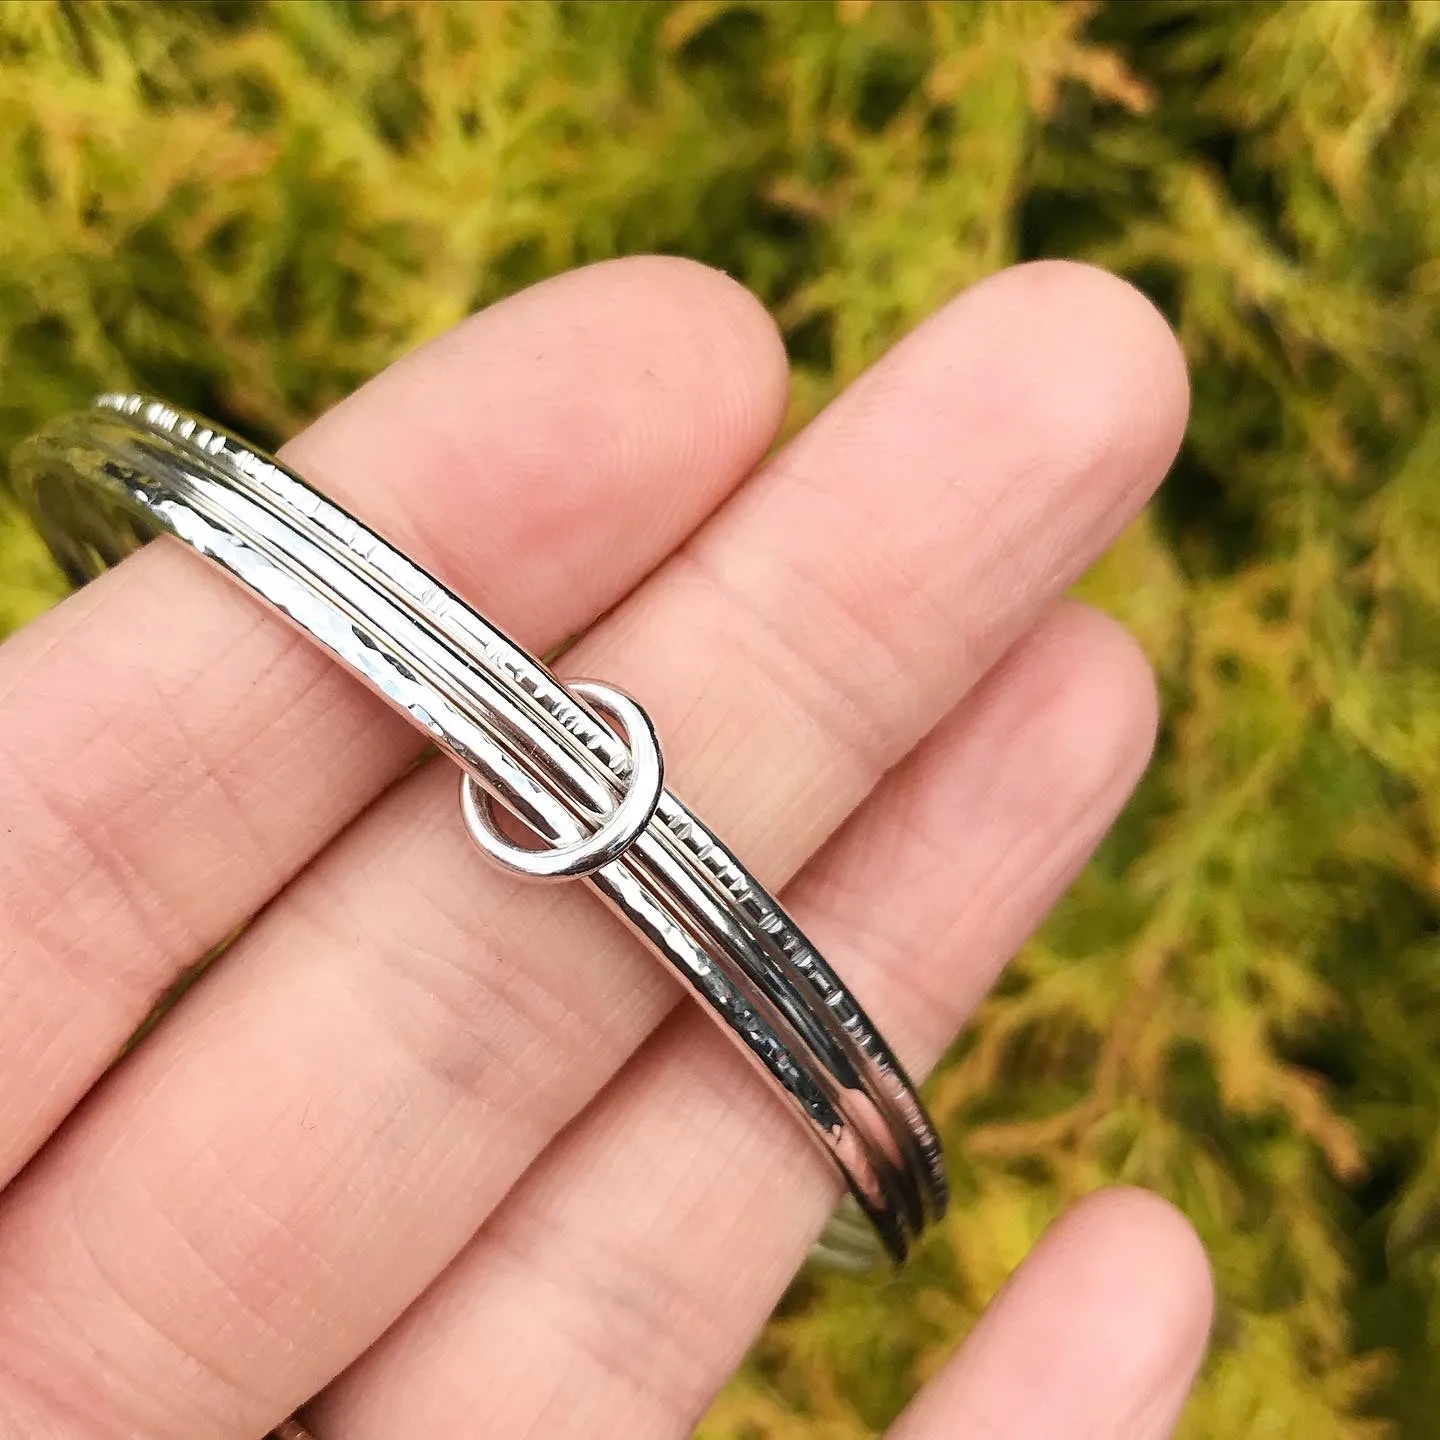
[317,1132]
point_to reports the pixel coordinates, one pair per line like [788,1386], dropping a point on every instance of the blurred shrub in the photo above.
[251,207]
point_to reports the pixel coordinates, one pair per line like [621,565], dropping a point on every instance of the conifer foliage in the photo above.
[251,207]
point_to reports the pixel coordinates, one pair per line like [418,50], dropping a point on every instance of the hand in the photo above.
[441,1148]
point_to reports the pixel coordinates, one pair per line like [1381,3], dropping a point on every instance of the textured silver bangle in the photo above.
[578,762]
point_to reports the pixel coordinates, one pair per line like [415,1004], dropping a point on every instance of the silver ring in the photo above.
[102,481]
[622,826]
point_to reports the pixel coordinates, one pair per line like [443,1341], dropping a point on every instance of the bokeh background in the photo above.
[251,207]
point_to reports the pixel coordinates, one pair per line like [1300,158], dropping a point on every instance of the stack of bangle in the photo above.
[577,761]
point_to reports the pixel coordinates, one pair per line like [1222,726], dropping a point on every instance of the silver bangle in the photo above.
[290,1429]
[577,762]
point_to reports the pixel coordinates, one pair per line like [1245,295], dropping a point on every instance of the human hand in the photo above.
[439,1147]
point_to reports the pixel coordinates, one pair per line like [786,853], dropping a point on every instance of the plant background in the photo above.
[251,207]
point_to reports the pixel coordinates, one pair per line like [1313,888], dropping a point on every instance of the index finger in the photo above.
[174,752]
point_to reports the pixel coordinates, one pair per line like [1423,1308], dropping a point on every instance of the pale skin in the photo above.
[447,1151]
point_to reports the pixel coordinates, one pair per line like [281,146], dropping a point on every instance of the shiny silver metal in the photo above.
[99,482]
[290,1429]
[621,828]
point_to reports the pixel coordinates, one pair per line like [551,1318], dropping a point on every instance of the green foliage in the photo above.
[251,207]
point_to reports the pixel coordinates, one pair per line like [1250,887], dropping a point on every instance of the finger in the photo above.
[174,753]
[1099,1334]
[408,1029]
[639,1257]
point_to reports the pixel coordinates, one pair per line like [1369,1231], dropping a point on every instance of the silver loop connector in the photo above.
[622,827]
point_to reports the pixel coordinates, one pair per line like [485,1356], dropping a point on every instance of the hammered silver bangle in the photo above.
[578,762]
